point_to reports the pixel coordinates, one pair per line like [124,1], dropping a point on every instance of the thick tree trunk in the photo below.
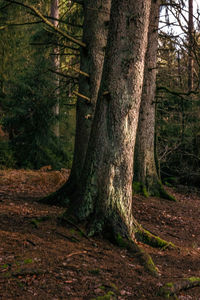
[145,174]
[95,30]
[56,61]
[105,196]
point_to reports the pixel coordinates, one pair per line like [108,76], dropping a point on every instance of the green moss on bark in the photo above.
[147,237]
[171,289]
[144,257]
[139,188]
[164,194]
[155,189]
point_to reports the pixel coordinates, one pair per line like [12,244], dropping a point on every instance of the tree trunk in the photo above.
[95,30]
[56,62]
[105,196]
[190,47]
[145,169]
[145,174]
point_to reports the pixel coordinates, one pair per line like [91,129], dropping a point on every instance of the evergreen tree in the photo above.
[29,118]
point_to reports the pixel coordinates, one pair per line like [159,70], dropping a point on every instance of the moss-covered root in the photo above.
[146,237]
[171,289]
[143,256]
[155,189]
[164,194]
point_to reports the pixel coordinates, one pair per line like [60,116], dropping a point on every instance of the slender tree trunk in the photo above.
[105,196]
[146,177]
[190,47]
[145,169]
[56,61]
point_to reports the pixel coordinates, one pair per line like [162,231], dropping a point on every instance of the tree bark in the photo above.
[145,169]
[105,195]
[190,47]
[145,174]
[56,62]
[95,30]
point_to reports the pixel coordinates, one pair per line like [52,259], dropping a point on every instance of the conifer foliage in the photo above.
[29,118]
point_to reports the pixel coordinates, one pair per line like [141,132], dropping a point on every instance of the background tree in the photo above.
[178,108]
[146,179]
[56,60]
[39,41]
[190,47]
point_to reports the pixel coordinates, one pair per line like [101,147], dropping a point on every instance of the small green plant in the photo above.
[110,295]
[5,266]
[35,222]
[28,261]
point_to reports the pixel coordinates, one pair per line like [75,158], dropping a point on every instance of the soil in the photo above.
[40,258]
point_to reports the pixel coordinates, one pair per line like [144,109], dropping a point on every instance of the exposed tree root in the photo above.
[99,226]
[171,289]
[58,198]
[164,194]
[146,237]
[155,189]
[143,256]
[111,233]
[67,219]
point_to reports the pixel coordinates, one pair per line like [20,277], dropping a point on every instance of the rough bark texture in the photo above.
[190,47]
[105,195]
[56,60]
[145,173]
[95,31]
[106,185]
[145,169]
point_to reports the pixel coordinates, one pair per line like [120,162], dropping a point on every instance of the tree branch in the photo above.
[61,74]
[21,24]
[48,23]
[180,94]
[81,96]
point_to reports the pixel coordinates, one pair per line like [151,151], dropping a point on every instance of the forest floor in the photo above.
[43,259]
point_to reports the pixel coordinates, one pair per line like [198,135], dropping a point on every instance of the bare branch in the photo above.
[48,23]
[81,96]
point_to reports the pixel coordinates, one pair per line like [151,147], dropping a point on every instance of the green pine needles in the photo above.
[29,118]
